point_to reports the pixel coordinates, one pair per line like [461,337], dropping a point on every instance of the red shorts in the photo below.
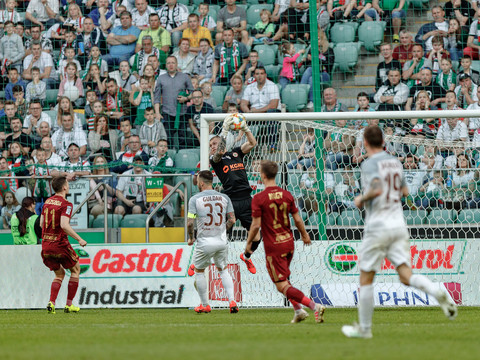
[55,255]
[278,266]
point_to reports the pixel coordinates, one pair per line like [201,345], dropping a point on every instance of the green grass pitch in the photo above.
[399,333]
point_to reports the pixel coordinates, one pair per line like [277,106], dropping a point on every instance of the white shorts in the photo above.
[378,244]
[202,256]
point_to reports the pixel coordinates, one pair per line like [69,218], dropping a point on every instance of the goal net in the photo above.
[319,157]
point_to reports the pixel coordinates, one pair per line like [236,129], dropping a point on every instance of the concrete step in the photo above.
[367,69]
[352,91]
[365,80]
[349,102]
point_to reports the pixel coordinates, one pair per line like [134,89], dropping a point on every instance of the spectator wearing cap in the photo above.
[412,68]
[438,27]
[135,150]
[435,92]
[73,167]
[393,95]
[388,63]
[404,51]
[131,191]
[67,134]
[466,92]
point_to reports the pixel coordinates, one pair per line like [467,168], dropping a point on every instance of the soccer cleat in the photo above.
[300,315]
[203,309]
[249,264]
[319,310]
[191,270]
[448,306]
[355,331]
[71,309]
[233,307]
[51,308]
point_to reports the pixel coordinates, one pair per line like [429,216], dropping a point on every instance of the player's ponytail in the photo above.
[24,214]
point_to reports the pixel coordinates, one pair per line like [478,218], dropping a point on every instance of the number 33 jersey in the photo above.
[210,208]
[274,205]
[384,211]
[55,207]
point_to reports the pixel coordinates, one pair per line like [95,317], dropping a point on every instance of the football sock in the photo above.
[365,306]
[227,284]
[423,283]
[202,287]
[72,290]
[252,249]
[296,305]
[297,296]
[56,285]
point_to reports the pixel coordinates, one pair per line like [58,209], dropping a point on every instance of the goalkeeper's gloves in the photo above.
[226,126]
[245,127]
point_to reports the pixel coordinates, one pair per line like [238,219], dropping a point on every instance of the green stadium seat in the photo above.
[441,216]
[22,16]
[184,2]
[52,114]
[51,98]
[191,8]
[346,56]
[252,2]
[2,95]
[134,220]
[265,54]
[243,6]
[295,96]
[188,179]
[475,65]
[218,93]
[253,12]
[469,216]
[187,159]
[350,217]
[293,186]
[273,71]
[370,33]
[342,33]
[332,219]
[415,217]
[90,220]
[419,4]
[113,221]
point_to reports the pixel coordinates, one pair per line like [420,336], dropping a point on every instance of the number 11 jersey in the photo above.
[210,208]
[273,205]
[384,211]
[55,207]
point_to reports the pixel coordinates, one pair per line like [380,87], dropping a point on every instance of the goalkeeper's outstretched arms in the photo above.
[251,141]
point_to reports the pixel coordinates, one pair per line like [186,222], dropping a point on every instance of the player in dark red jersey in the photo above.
[57,253]
[270,211]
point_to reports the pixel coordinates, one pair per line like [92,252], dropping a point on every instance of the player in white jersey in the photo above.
[215,215]
[386,234]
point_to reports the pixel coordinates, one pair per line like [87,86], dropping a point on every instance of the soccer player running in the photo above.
[214,214]
[270,211]
[57,253]
[230,169]
[386,234]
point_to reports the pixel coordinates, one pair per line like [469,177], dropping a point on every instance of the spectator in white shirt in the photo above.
[43,61]
[42,12]
[66,135]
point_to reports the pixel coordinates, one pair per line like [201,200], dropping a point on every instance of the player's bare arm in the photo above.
[190,231]
[230,220]
[221,149]
[65,225]
[297,219]
[252,234]
[374,191]
[405,192]
[251,141]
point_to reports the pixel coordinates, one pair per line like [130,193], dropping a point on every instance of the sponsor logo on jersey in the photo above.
[427,257]
[233,167]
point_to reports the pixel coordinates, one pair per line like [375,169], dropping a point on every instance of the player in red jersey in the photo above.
[57,253]
[270,210]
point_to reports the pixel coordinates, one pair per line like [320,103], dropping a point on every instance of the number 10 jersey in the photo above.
[210,208]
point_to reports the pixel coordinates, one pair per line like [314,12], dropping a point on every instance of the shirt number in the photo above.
[283,209]
[52,218]
[210,214]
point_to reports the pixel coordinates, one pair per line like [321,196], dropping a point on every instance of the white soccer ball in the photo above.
[237,121]
[72,93]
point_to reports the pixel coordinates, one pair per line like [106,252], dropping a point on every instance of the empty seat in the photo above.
[51,97]
[370,33]
[295,96]
[351,217]
[441,216]
[265,54]
[272,72]
[218,93]
[415,217]
[134,220]
[113,221]
[342,33]
[469,216]
[346,56]
[187,159]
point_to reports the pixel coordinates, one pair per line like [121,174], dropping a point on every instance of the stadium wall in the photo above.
[155,275]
